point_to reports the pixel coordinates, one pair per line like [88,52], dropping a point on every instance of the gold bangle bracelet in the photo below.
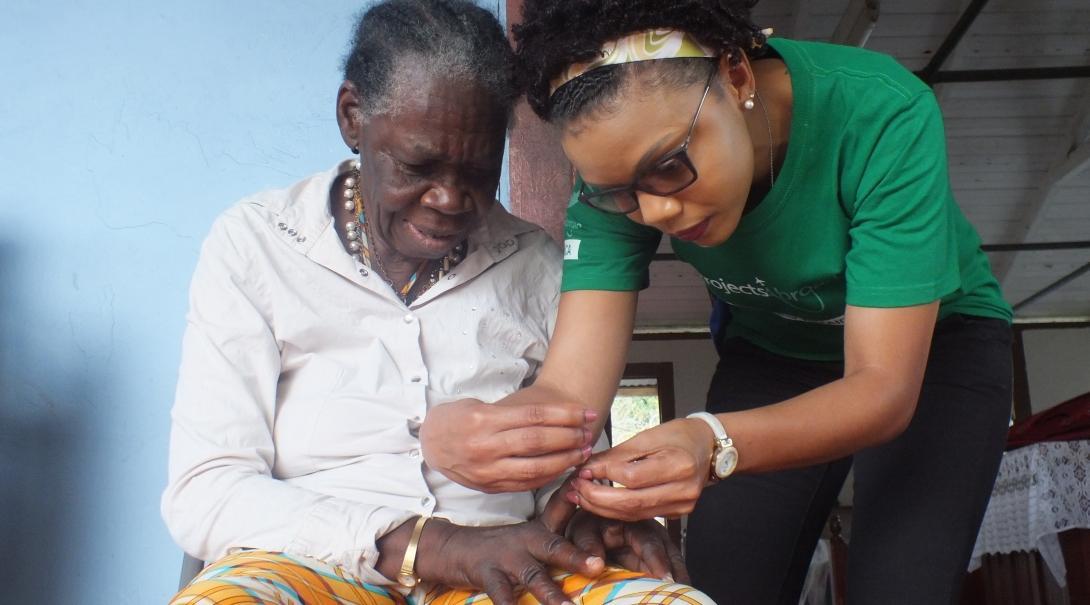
[406,576]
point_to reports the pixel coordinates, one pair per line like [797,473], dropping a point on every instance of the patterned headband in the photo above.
[640,46]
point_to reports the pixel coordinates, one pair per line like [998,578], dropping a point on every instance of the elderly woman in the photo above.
[327,318]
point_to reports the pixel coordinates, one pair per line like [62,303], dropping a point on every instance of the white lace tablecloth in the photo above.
[1042,489]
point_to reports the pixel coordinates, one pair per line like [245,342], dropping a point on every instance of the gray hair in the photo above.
[448,38]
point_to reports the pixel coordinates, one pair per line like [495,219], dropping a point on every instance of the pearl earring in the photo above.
[748,104]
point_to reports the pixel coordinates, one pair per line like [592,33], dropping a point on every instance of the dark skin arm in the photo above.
[537,433]
[498,560]
[665,468]
[501,560]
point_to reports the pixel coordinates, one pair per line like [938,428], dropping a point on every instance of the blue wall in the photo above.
[125,128]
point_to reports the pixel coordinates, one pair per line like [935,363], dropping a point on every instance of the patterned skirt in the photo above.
[252,576]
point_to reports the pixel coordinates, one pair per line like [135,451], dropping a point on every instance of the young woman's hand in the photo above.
[506,447]
[637,546]
[662,471]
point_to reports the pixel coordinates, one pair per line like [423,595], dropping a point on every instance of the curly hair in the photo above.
[556,33]
[444,37]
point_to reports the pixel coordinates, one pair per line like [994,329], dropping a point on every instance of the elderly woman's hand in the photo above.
[638,546]
[643,546]
[499,560]
[505,447]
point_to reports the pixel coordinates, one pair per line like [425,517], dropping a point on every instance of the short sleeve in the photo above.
[606,251]
[903,240]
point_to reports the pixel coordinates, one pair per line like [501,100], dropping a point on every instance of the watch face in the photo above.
[725,461]
[406,581]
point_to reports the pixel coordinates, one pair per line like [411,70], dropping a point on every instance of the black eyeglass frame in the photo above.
[680,154]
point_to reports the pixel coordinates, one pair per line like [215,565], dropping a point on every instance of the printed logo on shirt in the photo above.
[806,299]
[571,249]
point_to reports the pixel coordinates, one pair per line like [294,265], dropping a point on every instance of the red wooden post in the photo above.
[541,177]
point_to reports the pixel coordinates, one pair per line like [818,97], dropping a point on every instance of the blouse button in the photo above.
[408,318]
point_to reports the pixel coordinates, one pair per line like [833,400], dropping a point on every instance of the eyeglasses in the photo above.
[672,173]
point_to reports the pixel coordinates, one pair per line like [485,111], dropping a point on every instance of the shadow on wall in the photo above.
[45,401]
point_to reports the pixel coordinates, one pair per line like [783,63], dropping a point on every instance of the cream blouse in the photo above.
[304,380]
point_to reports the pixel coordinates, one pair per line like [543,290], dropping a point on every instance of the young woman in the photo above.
[807,183]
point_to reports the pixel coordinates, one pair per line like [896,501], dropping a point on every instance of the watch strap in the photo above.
[721,438]
[723,450]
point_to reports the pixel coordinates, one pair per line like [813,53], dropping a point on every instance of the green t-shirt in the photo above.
[861,213]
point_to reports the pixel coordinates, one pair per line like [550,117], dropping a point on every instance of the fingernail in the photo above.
[668,578]
[567,603]
[586,452]
[586,474]
[590,415]
[587,436]
[573,497]
[592,561]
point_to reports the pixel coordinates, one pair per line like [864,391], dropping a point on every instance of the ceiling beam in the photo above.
[1056,285]
[1023,247]
[1072,160]
[667,257]
[952,39]
[1010,74]
[1052,323]
[942,91]
[857,23]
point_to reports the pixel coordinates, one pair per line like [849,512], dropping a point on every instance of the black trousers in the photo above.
[919,499]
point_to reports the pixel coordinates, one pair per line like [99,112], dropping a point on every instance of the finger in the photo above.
[586,534]
[523,474]
[556,551]
[598,466]
[537,580]
[628,559]
[613,533]
[650,547]
[489,484]
[678,569]
[540,440]
[668,500]
[558,510]
[541,414]
[498,587]
[636,469]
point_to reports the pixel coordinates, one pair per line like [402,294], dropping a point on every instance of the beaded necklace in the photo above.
[359,234]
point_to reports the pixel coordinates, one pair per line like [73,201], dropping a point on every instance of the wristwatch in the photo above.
[406,576]
[725,457]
